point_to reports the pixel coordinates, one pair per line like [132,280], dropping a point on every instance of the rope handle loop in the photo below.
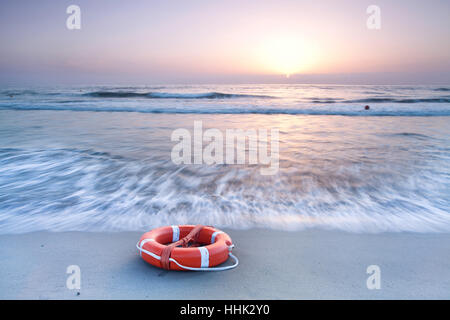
[230,247]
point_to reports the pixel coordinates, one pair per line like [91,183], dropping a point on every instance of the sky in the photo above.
[207,41]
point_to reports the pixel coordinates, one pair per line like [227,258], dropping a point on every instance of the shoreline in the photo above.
[309,264]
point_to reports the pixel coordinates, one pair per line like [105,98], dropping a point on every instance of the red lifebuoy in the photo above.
[160,247]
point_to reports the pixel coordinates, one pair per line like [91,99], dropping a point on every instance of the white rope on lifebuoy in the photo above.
[236,261]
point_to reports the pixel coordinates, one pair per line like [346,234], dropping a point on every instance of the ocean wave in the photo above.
[323,101]
[14,93]
[19,92]
[410,135]
[168,95]
[220,95]
[90,190]
[388,100]
[332,110]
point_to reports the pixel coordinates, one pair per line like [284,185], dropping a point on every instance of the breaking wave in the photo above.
[383,100]
[329,109]
[88,190]
[168,95]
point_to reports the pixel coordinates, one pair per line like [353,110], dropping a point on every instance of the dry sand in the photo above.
[311,264]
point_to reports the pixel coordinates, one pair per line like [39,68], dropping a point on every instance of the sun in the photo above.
[287,55]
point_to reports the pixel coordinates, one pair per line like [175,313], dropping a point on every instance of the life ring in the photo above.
[161,248]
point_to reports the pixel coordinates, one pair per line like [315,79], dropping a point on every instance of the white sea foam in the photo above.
[85,190]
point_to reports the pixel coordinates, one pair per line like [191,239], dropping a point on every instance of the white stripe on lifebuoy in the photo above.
[176,233]
[205,257]
[142,244]
[213,236]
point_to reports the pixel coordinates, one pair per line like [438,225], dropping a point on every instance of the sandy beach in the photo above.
[310,264]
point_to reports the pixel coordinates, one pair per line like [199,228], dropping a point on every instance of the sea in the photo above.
[100,158]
